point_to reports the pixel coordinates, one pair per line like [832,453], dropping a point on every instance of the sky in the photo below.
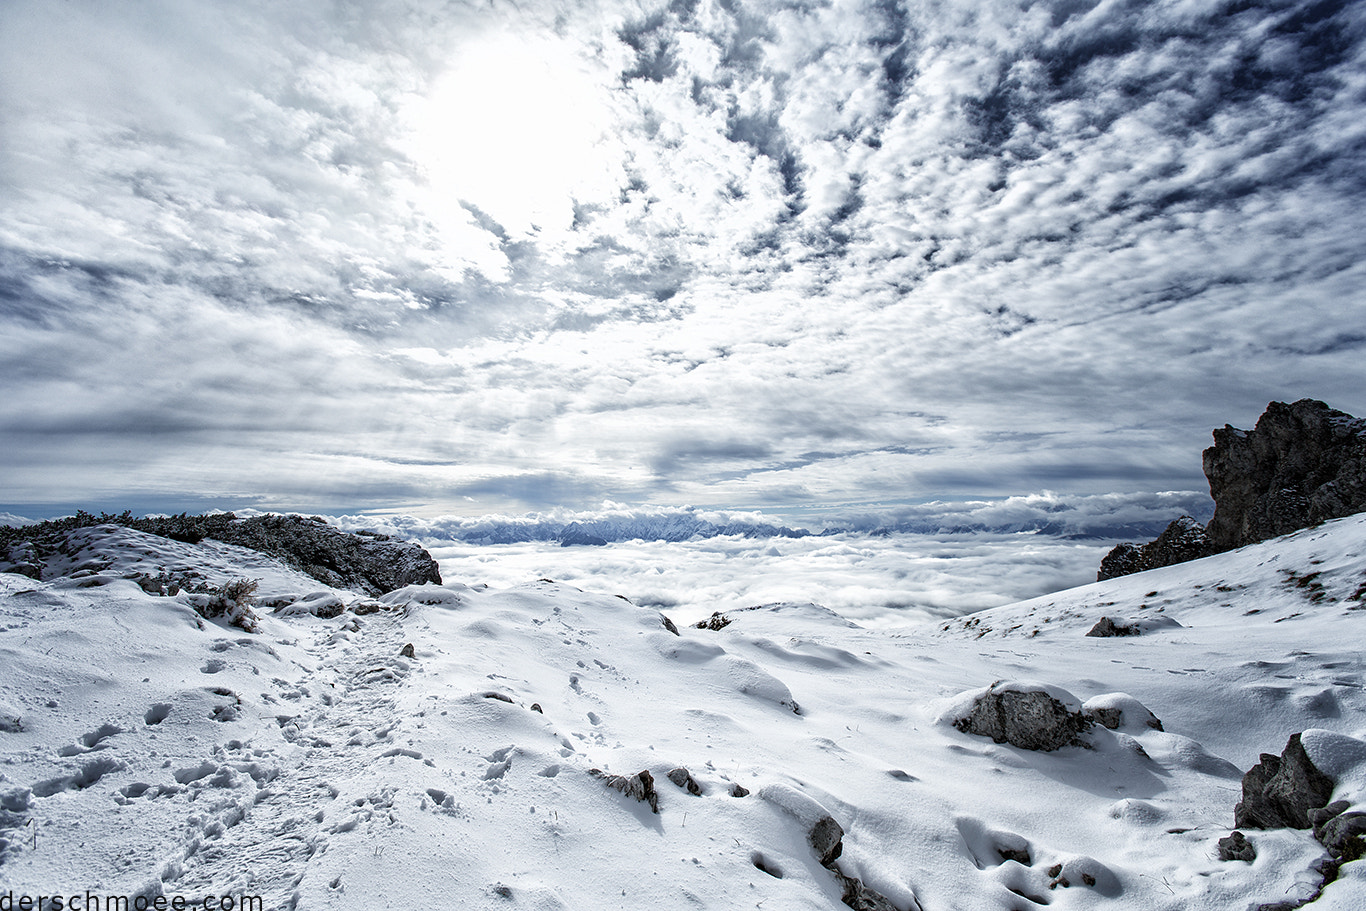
[444,258]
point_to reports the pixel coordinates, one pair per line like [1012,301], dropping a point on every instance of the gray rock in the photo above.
[1028,720]
[1319,816]
[739,790]
[1107,718]
[1339,831]
[407,651]
[1184,539]
[858,896]
[1280,791]
[1106,628]
[1343,836]
[683,778]
[717,621]
[1235,846]
[825,839]
[640,786]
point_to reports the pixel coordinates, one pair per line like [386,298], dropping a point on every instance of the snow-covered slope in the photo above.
[144,750]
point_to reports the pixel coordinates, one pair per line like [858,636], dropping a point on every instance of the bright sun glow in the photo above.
[517,127]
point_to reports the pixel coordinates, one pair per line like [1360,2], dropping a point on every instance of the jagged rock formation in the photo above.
[1184,539]
[640,786]
[1290,791]
[1302,464]
[1279,791]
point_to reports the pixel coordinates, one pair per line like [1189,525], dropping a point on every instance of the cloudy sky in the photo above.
[494,257]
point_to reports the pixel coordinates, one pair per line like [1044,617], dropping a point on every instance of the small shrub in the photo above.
[232,600]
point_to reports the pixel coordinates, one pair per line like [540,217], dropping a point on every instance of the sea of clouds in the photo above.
[877,565]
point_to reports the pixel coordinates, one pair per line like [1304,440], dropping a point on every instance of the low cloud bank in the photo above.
[890,580]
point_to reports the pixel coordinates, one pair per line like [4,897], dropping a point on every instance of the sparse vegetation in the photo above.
[232,600]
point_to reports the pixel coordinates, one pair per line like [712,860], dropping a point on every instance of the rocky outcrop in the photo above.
[371,563]
[1184,539]
[1302,464]
[1291,791]
[1028,717]
[1279,791]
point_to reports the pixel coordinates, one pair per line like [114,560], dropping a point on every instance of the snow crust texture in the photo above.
[456,746]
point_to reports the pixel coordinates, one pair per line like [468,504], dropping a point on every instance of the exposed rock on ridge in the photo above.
[1303,463]
[371,563]
[1183,540]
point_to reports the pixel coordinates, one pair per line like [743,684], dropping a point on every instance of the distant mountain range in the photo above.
[690,523]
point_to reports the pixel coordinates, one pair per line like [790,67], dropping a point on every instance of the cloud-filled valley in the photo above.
[434,258]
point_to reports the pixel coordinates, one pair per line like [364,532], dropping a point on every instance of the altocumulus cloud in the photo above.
[424,254]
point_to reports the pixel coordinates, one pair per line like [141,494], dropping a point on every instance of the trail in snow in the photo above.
[339,719]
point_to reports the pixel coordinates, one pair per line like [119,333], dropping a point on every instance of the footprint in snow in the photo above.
[94,740]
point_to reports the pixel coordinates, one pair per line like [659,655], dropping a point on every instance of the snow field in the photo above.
[315,764]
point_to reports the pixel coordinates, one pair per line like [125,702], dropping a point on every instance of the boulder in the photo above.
[683,778]
[1280,791]
[826,839]
[1027,716]
[1235,846]
[1344,835]
[1106,628]
[365,562]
